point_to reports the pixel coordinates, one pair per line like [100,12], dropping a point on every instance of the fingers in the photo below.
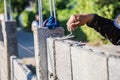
[77,20]
[72,23]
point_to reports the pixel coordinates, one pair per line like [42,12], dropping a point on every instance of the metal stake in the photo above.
[51,8]
[37,55]
[10,10]
[40,13]
[54,8]
[5,11]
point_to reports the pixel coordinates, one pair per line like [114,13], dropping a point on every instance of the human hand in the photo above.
[78,20]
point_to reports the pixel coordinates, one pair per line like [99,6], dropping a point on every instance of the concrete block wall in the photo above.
[70,60]
[11,68]
[88,65]
[1,34]
[63,60]
[19,71]
[10,47]
[40,36]
[2,65]
[51,58]
[114,68]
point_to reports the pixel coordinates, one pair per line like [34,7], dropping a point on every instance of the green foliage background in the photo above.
[106,8]
[66,8]
[1,6]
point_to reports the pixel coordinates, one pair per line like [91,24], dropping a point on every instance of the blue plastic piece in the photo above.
[51,23]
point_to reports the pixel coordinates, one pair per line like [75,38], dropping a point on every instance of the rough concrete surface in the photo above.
[114,68]
[63,60]
[51,57]
[88,65]
[10,46]
[40,36]
[19,69]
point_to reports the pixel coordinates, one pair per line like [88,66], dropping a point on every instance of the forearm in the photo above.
[106,28]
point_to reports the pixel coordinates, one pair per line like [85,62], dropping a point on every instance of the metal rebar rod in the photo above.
[5,11]
[10,10]
[54,8]
[51,8]
[37,57]
[40,13]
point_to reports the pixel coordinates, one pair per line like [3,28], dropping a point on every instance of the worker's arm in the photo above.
[106,28]
[102,25]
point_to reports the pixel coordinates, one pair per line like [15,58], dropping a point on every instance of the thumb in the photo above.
[75,24]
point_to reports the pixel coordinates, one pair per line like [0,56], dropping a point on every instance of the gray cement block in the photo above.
[88,65]
[112,52]
[1,49]
[1,35]
[51,57]
[2,62]
[63,60]
[19,70]
[114,68]
[40,36]
[10,37]
[10,44]
[2,75]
